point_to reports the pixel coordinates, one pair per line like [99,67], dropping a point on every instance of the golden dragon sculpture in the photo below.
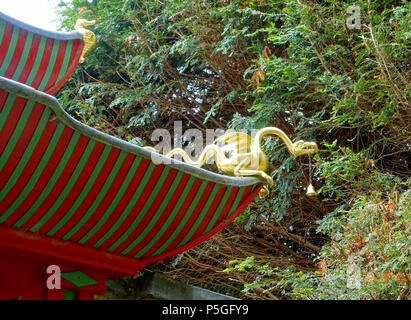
[89,38]
[246,157]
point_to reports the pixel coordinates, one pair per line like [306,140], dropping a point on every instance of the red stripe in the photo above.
[95,189]
[60,183]
[151,211]
[227,205]
[15,157]
[43,64]
[11,122]
[173,251]
[5,42]
[3,97]
[76,50]
[30,166]
[30,59]
[246,193]
[44,176]
[247,197]
[136,208]
[107,199]
[122,204]
[210,212]
[164,215]
[21,144]
[194,215]
[75,191]
[21,40]
[175,222]
[57,66]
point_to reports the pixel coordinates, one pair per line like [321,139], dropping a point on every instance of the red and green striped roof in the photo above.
[41,59]
[62,180]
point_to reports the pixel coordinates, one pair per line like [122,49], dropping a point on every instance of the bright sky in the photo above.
[39,13]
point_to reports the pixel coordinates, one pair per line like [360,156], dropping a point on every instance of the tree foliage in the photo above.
[293,64]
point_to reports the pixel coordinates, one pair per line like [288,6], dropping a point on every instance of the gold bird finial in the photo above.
[89,38]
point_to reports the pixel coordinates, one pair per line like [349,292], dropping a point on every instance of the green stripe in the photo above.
[50,65]
[25,157]
[236,201]
[16,133]
[129,206]
[83,193]
[2,29]
[170,218]
[66,60]
[68,187]
[40,167]
[164,203]
[232,208]
[183,222]
[119,194]
[220,207]
[8,104]
[99,198]
[37,61]
[51,182]
[24,56]
[10,50]
[143,211]
[201,215]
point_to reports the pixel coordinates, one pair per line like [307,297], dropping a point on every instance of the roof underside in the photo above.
[41,59]
[76,184]
[83,190]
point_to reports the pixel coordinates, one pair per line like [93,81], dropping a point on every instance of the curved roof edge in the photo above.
[27,92]
[51,34]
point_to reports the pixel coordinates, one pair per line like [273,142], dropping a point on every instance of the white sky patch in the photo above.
[39,13]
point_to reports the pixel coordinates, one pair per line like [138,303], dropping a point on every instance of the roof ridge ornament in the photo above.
[89,37]
[246,157]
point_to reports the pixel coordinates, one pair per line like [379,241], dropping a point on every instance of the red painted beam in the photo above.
[112,264]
